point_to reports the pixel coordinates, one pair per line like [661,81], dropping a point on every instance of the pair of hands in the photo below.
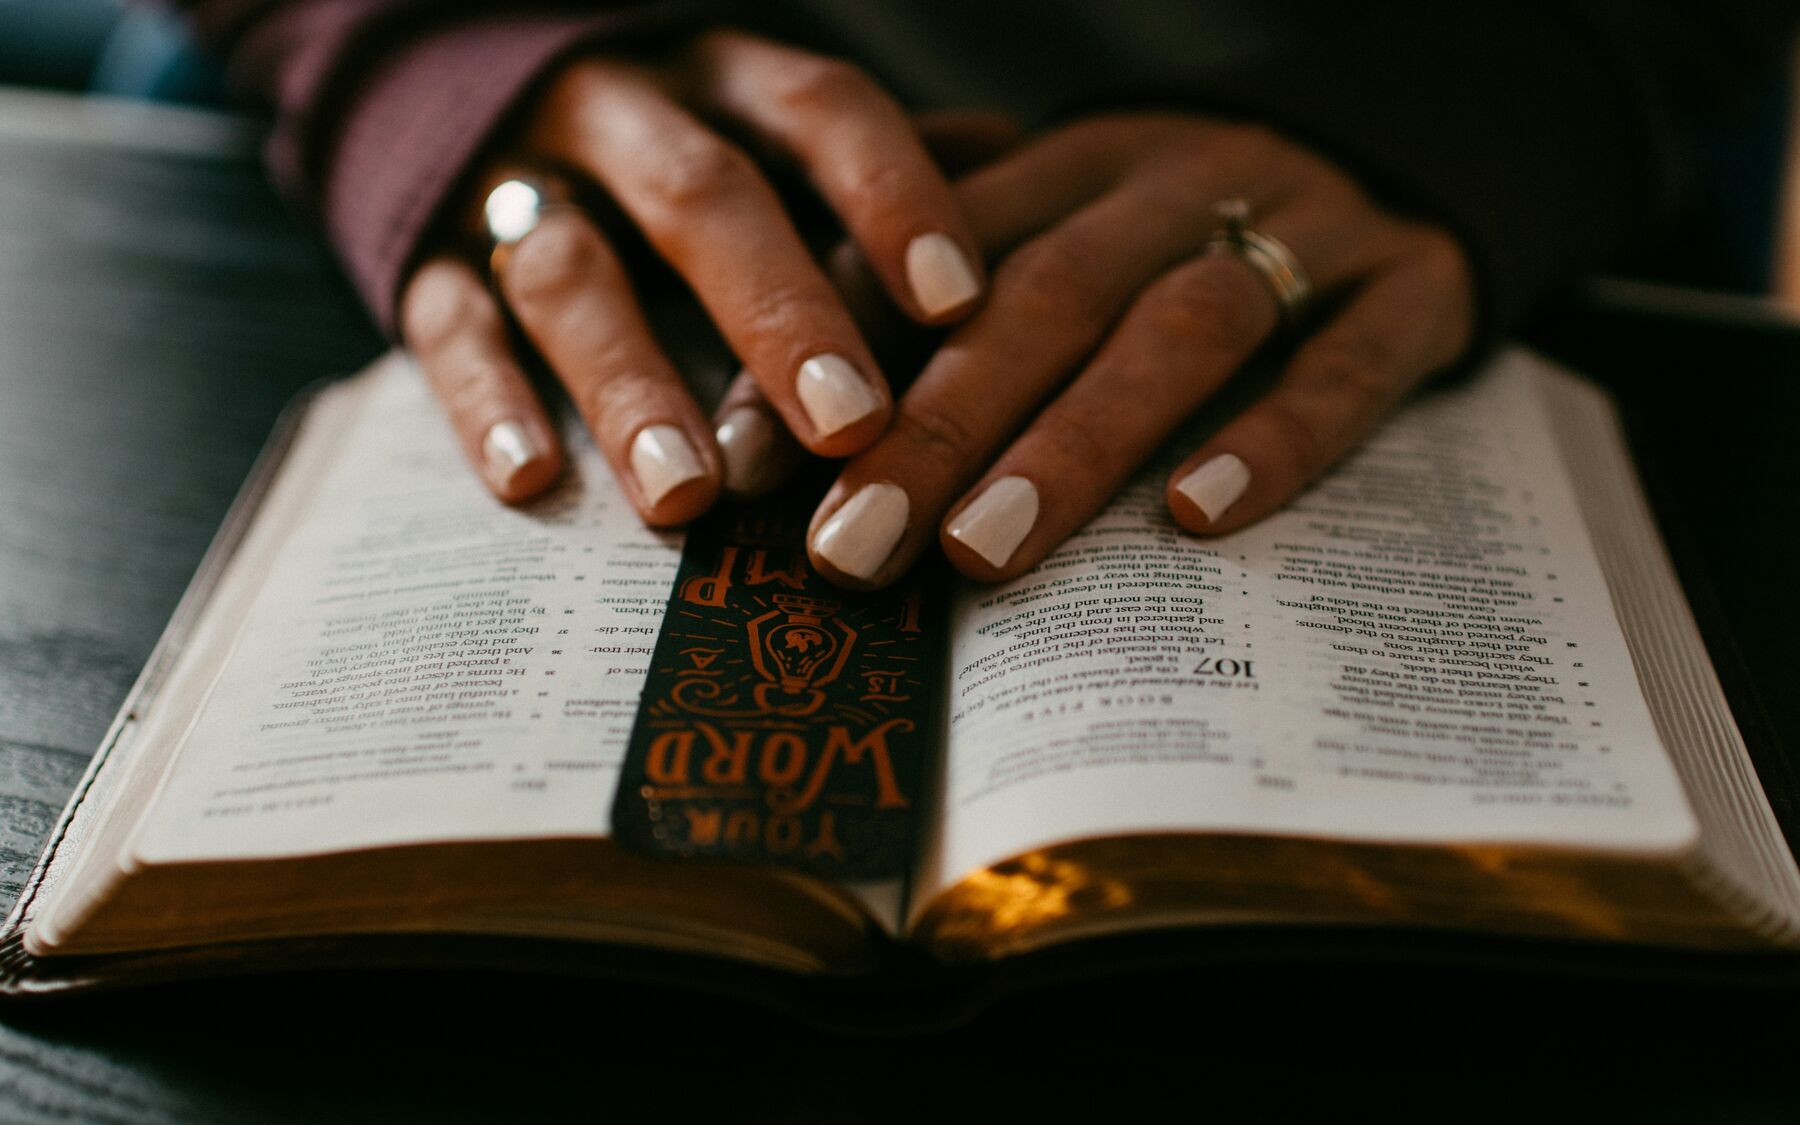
[1103,325]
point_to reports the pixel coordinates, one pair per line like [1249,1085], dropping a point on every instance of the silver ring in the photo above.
[516,207]
[1268,256]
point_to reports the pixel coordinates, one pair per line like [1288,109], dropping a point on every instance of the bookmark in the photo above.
[783,721]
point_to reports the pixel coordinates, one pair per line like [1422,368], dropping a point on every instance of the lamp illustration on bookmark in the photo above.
[798,654]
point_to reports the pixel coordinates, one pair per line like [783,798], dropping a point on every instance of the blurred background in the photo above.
[1740,230]
[104,46]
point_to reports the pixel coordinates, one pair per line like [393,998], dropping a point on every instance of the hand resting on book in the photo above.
[635,132]
[1108,321]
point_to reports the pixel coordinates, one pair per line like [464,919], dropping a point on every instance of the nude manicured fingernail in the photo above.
[999,519]
[508,448]
[751,446]
[834,393]
[663,459]
[1216,484]
[861,534]
[939,273]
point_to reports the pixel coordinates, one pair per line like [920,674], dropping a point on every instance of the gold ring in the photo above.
[1268,256]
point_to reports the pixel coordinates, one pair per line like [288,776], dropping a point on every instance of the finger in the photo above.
[1004,205]
[1405,324]
[712,216]
[450,323]
[962,140]
[1053,302]
[1027,191]
[860,150]
[1178,344]
[571,297]
[758,452]
[1182,339]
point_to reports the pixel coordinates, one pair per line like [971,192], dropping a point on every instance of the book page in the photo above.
[1421,648]
[423,663]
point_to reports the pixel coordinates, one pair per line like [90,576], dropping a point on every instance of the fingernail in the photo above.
[748,440]
[862,533]
[507,448]
[939,273]
[999,519]
[663,459]
[834,393]
[1216,485]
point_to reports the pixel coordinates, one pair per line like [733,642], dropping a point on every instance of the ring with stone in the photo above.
[1279,269]
[517,206]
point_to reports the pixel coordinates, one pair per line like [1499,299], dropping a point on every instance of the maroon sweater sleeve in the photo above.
[381,106]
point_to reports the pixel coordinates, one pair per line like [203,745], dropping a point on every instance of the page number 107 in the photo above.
[1226,667]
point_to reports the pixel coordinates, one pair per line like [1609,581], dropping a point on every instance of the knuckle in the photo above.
[619,355]
[1252,136]
[1050,283]
[783,312]
[1111,144]
[1099,130]
[939,433]
[441,303]
[882,185]
[1339,361]
[700,171]
[822,84]
[1442,255]
[1117,133]
[1078,443]
[1249,145]
[1330,202]
[1441,266]
[1205,308]
[612,401]
[1298,437]
[468,389]
[1351,371]
[1254,153]
[573,85]
[554,260]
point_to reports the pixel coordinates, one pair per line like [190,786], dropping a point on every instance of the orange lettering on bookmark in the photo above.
[783,721]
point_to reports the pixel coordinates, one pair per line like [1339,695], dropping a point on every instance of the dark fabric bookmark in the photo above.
[784,721]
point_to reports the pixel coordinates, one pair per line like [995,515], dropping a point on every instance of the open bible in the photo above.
[1454,689]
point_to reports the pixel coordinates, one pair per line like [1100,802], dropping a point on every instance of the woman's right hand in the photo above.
[703,205]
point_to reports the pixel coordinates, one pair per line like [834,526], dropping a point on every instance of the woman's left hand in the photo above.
[1108,323]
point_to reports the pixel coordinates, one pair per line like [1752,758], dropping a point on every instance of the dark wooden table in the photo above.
[158,306]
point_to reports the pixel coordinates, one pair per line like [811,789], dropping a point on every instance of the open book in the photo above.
[1454,688]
